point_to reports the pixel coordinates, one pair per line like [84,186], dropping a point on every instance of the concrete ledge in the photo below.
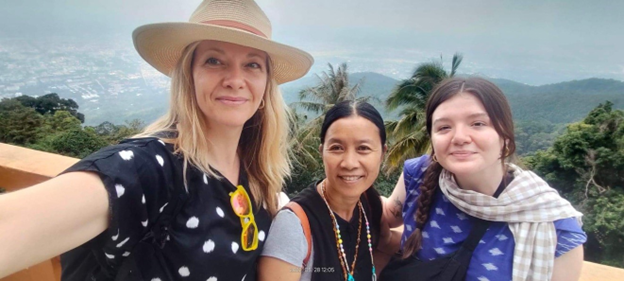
[598,272]
[22,167]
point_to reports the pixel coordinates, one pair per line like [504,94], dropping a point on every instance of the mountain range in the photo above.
[563,102]
[558,103]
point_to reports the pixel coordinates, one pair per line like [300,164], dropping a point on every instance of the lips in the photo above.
[232,100]
[351,178]
[462,153]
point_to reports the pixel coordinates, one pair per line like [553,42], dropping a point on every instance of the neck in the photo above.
[484,183]
[342,206]
[223,151]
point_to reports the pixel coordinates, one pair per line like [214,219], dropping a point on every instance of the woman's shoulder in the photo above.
[416,166]
[134,161]
[414,171]
[571,225]
[146,144]
[129,149]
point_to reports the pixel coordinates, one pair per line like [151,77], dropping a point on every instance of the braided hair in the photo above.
[496,106]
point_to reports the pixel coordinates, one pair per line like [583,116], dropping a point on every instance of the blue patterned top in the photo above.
[448,227]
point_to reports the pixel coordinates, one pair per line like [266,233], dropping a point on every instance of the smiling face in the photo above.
[352,154]
[464,139]
[230,81]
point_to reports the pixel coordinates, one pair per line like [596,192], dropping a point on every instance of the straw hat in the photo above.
[240,22]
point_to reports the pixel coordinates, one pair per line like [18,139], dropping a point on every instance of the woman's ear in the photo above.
[321,149]
[385,149]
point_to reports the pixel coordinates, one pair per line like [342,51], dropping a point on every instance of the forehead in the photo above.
[462,104]
[354,128]
[227,48]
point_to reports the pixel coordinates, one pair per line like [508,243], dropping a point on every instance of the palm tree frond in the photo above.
[457,59]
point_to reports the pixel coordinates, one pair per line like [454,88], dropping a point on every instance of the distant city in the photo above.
[90,73]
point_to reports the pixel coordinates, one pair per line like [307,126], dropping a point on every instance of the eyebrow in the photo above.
[249,55]
[471,116]
[337,140]
[255,54]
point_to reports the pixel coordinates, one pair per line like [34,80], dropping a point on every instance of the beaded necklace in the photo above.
[348,273]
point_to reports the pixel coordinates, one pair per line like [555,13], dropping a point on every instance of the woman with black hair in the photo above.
[343,211]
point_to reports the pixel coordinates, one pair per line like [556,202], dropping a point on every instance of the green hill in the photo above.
[562,102]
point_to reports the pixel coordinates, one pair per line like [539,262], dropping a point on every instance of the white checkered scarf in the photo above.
[529,206]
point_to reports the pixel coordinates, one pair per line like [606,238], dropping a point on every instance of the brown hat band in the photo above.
[237,25]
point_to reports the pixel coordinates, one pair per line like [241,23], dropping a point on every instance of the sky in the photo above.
[533,42]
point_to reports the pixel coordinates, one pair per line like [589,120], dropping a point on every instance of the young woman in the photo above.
[343,210]
[193,196]
[528,231]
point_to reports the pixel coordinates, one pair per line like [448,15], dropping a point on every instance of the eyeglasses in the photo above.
[241,204]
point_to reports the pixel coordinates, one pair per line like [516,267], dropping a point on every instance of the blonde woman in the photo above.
[191,197]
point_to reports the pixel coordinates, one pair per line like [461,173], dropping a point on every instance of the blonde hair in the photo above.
[262,148]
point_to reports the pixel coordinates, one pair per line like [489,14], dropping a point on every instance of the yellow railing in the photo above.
[22,167]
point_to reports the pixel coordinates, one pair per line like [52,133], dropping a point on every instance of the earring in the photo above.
[261,104]
[434,158]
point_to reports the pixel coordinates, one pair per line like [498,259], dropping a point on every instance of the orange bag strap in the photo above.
[296,208]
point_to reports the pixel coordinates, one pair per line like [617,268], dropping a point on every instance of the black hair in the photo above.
[348,108]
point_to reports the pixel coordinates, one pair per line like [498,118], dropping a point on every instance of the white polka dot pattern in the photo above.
[120,190]
[160,160]
[184,271]
[261,235]
[141,188]
[234,247]
[193,222]
[123,242]
[220,212]
[209,246]
[163,207]
[126,154]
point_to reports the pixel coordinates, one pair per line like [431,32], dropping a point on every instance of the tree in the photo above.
[19,125]
[408,135]
[586,165]
[50,103]
[61,120]
[74,143]
[333,88]
[113,134]
[532,136]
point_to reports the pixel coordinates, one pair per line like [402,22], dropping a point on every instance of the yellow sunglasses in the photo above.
[241,204]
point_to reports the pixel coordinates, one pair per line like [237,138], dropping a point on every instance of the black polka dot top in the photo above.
[201,239]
